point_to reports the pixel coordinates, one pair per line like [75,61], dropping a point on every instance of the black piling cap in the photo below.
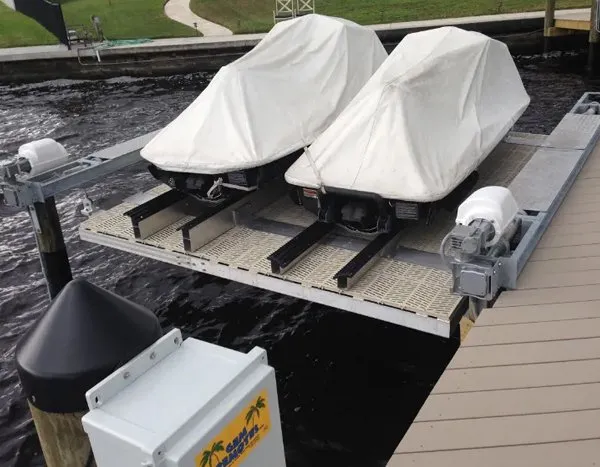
[84,336]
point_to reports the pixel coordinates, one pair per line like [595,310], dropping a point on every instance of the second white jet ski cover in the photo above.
[273,101]
[429,116]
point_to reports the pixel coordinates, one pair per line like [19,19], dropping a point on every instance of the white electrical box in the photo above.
[187,403]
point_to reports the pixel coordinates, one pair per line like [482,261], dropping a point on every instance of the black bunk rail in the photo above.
[360,264]
[155,205]
[207,210]
[154,215]
[299,246]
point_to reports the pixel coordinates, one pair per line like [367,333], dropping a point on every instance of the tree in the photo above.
[207,456]
[254,410]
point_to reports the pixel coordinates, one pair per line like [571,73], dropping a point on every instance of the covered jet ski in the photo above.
[412,139]
[265,106]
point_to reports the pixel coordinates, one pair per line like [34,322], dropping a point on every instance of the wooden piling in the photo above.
[86,333]
[63,440]
[594,40]
[549,24]
[51,245]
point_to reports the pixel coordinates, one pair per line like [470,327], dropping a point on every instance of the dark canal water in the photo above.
[349,386]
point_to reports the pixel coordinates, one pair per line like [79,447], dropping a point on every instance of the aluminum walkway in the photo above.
[524,389]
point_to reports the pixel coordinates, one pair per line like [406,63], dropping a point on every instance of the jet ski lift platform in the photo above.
[406,285]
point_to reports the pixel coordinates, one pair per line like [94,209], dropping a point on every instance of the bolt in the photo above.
[176,341]
[126,375]
[152,355]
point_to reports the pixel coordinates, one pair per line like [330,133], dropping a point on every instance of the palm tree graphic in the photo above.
[254,410]
[208,455]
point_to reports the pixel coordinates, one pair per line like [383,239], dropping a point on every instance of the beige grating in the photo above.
[169,237]
[389,282]
[227,247]
[504,163]
[285,210]
[112,222]
[320,266]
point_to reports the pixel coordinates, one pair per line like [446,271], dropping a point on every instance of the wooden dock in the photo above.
[524,388]
[565,21]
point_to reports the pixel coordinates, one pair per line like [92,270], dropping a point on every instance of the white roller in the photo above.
[43,155]
[273,101]
[428,117]
[495,204]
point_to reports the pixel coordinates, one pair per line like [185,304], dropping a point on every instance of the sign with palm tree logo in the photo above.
[239,437]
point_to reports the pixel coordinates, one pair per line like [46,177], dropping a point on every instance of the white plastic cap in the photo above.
[495,204]
[43,155]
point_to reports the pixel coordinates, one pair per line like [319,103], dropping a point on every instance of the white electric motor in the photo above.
[187,404]
[43,155]
[495,204]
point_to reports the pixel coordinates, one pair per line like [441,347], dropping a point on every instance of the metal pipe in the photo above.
[51,245]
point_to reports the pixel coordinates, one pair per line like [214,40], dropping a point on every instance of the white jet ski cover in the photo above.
[273,101]
[426,119]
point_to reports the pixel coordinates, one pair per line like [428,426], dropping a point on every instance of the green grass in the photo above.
[125,19]
[19,30]
[257,15]
[121,19]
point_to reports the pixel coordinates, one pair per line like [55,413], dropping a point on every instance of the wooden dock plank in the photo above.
[588,227]
[552,266]
[527,353]
[583,293]
[538,313]
[566,217]
[558,279]
[510,402]
[533,332]
[584,187]
[571,24]
[565,454]
[565,252]
[572,238]
[580,208]
[501,431]
[521,376]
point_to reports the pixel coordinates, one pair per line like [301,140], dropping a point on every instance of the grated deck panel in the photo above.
[392,283]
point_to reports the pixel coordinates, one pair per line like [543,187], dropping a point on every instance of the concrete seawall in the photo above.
[521,32]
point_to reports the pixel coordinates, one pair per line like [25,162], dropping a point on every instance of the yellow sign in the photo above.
[231,446]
